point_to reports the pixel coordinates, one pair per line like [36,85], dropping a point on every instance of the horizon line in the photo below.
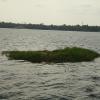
[46,24]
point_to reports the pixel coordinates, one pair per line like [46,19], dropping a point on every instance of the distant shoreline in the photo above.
[82,28]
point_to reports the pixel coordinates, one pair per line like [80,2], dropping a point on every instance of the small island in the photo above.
[74,54]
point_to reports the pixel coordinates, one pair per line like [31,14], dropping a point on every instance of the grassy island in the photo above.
[68,54]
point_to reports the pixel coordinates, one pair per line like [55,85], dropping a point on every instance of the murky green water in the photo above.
[64,81]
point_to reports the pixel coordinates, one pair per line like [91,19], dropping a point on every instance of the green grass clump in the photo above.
[74,54]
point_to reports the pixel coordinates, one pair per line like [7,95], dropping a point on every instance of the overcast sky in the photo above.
[51,11]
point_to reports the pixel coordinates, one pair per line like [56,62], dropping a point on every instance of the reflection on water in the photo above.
[64,81]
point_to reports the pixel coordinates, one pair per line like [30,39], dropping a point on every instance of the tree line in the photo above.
[41,26]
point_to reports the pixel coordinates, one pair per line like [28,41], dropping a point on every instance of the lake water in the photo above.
[64,81]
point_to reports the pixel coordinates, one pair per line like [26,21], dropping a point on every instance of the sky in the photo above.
[69,12]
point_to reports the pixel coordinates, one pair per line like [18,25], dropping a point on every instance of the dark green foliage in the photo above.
[51,27]
[62,55]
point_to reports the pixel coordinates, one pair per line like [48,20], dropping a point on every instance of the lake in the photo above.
[63,81]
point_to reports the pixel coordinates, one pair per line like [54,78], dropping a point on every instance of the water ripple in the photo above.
[21,80]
